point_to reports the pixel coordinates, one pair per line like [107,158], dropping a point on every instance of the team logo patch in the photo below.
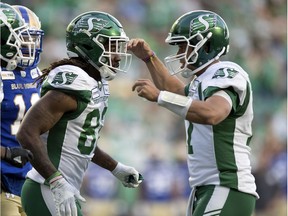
[106,89]
[34,74]
[225,73]
[64,78]
[7,75]
[100,94]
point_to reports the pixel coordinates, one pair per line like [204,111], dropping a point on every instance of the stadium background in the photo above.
[152,139]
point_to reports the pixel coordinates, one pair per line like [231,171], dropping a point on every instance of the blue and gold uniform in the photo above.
[20,93]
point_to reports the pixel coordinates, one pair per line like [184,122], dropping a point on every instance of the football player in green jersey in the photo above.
[216,106]
[62,128]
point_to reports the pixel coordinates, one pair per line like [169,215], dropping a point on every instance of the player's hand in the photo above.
[140,48]
[64,196]
[18,156]
[146,89]
[127,175]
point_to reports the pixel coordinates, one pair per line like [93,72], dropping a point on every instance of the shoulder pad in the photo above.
[70,78]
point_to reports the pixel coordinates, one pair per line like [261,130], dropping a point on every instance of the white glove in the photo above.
[64,196]
[127,175]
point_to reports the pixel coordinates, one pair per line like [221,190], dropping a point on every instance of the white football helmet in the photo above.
[34,24]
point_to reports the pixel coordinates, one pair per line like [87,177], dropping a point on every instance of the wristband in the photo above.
[178,104]
[55,175]
[149,58]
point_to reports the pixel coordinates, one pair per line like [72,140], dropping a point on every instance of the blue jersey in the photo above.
[20,92]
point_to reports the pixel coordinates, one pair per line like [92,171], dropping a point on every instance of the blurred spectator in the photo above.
[271,173]
[100,187]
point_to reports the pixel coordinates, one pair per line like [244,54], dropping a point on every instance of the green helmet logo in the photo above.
[205,33]
[96,37]
[98,25]
[202,23]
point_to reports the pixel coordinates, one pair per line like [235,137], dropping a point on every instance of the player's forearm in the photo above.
[162,78]
[43,165]
[104,160]
[211,111]
[41,161]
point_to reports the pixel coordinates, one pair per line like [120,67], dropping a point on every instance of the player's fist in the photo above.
[129,176]
[18,156]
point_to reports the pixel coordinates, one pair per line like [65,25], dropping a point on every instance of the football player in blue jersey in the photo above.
[71,113]
[21,45]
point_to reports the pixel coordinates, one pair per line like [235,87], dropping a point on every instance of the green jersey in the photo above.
[72,140]
[219,154]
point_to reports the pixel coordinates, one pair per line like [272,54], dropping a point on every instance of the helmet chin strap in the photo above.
[105,72]
[188,73]
[11,63]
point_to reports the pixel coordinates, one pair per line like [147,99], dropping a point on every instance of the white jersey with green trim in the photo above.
[220,154]
[72,140]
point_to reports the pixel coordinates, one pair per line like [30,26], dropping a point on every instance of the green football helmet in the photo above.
[205,33]
[96,37]
[17,45]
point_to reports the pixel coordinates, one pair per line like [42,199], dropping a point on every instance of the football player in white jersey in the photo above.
[70,115]
[216,106]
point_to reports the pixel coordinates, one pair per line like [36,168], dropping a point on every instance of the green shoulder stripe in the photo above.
[230,91]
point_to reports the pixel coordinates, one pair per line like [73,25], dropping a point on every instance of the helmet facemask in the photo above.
[30,49]
[37,36]
[20,41]
[195,43]
[115,46]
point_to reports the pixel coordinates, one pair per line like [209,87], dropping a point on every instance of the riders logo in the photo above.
[64,78]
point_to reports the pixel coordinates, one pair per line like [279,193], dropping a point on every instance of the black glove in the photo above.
[18,156]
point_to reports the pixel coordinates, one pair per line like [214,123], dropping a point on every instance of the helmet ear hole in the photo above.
[87,47]
[104,60]
[101,40]
[207,47]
